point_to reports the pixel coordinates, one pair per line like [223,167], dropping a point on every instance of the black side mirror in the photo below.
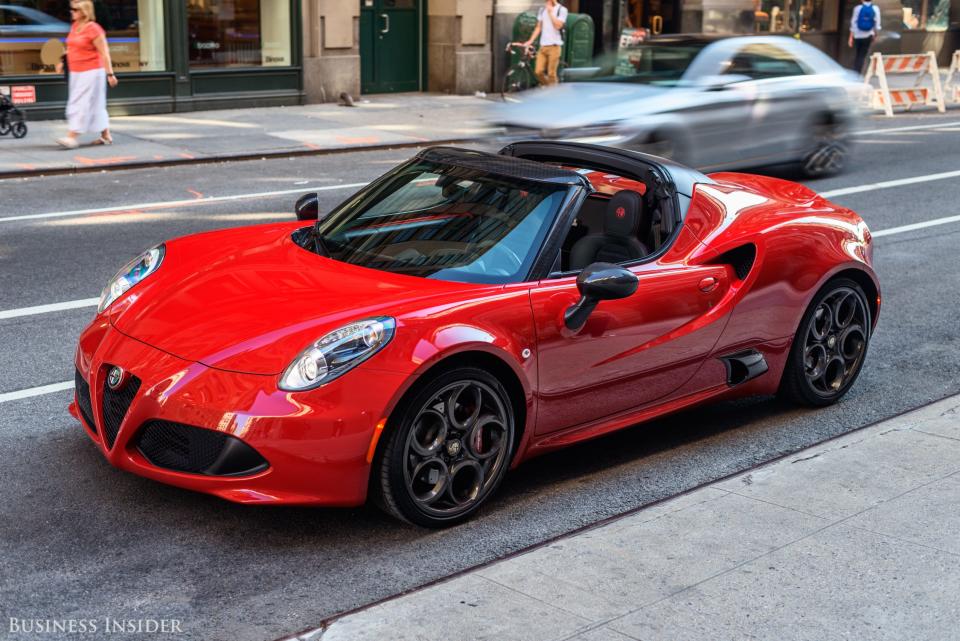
[308,207]
[599,281]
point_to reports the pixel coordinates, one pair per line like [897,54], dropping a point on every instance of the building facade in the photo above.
[181,55]
[170,55]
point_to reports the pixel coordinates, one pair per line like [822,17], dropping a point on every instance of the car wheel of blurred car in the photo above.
[828,150]
[449,449]
[830,346]
[663,145]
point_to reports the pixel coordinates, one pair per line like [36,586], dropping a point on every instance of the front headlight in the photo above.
[337,353]
[131,274]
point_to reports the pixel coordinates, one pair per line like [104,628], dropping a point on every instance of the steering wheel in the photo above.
[502,260]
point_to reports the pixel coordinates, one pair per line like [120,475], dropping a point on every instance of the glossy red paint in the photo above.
[211,331]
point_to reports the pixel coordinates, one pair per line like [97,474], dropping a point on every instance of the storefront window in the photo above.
[32,35]
[791,16]
[239,33]
[929,15]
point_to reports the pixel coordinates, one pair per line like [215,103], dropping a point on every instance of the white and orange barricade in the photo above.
[919,64]
[952,85]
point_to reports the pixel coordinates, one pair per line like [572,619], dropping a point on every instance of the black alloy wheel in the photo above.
[830,346]
[449,451]
[827,152]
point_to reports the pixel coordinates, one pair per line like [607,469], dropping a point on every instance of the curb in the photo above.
[226,158]
[316,633]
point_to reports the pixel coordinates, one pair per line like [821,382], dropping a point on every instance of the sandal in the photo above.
[102,141]
[68,143]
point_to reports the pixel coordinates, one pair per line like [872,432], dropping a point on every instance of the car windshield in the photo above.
[445,222]
[649,63]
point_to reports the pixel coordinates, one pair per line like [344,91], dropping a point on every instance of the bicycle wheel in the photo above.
[516,80]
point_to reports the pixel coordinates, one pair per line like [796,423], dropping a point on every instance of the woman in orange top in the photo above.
[91,69]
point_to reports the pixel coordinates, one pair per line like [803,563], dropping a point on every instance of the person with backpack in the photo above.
[551,19]
[864,25]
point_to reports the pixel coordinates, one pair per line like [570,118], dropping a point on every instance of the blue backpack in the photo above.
[867,19]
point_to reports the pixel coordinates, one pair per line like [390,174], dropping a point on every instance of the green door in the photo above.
[390,45]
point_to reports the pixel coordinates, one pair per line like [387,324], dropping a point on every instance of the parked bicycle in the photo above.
[520,76]
[12,119]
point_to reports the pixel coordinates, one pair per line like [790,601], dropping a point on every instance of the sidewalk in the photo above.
[383,120]
[856,538]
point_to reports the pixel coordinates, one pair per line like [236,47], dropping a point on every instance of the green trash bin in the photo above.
[578,34]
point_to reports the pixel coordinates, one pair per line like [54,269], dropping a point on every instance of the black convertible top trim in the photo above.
[504,166]
[624,161]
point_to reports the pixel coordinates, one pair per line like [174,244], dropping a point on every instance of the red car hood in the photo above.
[249,299]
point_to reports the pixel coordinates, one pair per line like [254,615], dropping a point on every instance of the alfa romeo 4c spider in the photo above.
[463,313]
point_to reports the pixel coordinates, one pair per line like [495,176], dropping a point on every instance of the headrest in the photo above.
[623,214]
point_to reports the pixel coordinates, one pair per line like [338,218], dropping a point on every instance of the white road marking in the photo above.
[163,204]
[45,309]
[914,226]
[887,184]
[59,387]
[871,132]
[35,391]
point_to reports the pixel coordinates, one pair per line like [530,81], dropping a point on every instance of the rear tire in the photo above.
[447,450]
[515,81]
[830,346]
[18,129]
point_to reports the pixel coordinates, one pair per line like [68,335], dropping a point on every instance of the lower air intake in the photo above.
[184,448]
[83,400]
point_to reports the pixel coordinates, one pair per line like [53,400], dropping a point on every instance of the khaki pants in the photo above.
[548,59]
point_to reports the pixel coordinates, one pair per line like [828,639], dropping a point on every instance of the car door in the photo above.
[786,99]
[632,351]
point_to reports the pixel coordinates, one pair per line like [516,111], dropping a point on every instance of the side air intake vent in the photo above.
[83,400]
[741,259]
[196,450]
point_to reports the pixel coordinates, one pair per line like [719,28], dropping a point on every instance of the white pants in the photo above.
[87,104]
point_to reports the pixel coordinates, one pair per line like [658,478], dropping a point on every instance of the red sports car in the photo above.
[463,313]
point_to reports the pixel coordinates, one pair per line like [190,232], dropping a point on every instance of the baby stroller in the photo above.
[12,120]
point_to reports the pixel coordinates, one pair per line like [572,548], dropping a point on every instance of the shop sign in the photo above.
[23,94]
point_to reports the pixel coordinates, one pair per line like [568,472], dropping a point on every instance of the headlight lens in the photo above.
[131,274]
[337,353]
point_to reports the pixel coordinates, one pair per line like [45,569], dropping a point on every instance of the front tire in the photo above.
[830,346]
[448,449]
[828,151]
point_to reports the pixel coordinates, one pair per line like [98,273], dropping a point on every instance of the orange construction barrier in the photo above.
[952,85]
[922,64]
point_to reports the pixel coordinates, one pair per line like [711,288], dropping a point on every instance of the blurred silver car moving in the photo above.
[707,102]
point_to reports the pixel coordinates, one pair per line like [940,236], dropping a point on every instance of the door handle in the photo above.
[708,284]
[656,25]
[386,23]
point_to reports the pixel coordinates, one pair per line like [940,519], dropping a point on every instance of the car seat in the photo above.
[624,222]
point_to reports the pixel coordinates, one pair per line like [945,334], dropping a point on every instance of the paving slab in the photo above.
[845,477]
[840,583]
[855,538]
[399,119]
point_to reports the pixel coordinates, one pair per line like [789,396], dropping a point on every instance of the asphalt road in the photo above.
[79,539]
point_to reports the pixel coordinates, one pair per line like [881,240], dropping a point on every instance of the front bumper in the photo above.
[314,443]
